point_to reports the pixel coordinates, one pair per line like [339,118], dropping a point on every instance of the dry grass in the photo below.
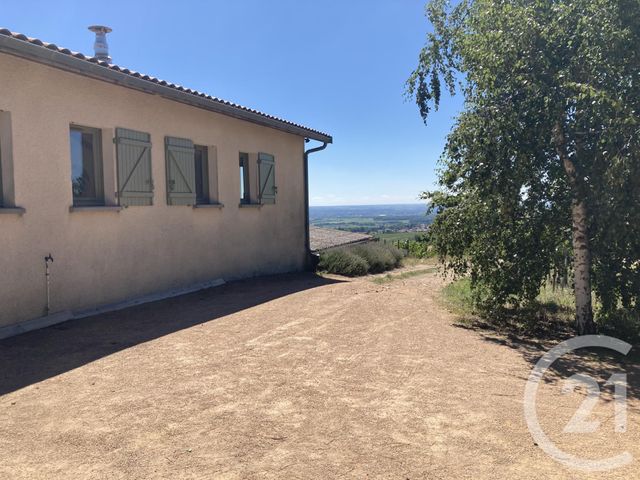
[403,276]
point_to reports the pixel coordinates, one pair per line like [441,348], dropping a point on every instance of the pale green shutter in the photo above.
[135,183]
[267,178]
[181,171]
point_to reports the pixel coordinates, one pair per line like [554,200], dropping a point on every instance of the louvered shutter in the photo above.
[135,183]
[266,178]
[181,172]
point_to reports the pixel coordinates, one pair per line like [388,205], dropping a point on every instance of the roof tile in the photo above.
[325,238]
[52,46]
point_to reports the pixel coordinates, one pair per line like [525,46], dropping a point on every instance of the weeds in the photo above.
[404,275]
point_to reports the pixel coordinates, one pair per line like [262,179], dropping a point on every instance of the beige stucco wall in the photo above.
[106,257]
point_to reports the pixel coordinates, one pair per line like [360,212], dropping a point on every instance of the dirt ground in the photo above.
[294,376]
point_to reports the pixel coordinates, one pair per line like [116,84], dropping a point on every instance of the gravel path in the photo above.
[293,376]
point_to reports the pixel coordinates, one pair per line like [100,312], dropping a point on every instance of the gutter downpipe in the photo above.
[309,263]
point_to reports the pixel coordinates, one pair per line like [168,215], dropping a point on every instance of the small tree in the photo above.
[545,152]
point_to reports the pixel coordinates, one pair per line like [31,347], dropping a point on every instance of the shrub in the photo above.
[360,260]
[418,248]
[398,254]
[622,323]
[379,257]
[343,262]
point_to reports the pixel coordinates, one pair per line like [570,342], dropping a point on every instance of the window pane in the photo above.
[86,166]
[241,182]
[83,165]
[244,180]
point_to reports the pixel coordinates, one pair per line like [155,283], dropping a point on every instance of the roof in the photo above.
[52,55]
[325,238]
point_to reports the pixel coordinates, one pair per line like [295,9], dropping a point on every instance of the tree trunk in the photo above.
[580,239]
[582,269]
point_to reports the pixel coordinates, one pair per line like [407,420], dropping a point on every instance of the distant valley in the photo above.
[391,221]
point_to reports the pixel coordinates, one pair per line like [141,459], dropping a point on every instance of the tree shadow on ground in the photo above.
[35,356]
[535,338]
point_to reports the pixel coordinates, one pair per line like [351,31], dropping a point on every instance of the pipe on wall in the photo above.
[307,243]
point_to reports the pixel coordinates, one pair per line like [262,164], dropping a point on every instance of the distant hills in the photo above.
[372,218]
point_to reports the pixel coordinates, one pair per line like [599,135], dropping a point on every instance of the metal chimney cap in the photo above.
[100,46]
[100,29]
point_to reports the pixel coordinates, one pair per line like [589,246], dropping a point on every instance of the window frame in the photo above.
[245,183]
[204,197]
[7,186]
[98,167]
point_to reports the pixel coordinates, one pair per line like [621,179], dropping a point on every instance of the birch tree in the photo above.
[544,156]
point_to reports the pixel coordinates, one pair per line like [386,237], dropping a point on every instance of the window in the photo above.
[86,166]
[7,194]
[181,175]
[244,179]
[192,173]
[201,157]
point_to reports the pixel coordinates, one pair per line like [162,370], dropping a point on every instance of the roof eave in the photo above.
[96,71]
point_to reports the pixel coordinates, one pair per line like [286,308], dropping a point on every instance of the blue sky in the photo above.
[337,66]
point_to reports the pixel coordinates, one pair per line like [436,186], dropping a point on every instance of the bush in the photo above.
[343,262]
[360,260]
[398,254]
[622,323]
[418,248]
[379,257]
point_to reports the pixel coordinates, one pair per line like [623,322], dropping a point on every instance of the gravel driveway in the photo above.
[294,376]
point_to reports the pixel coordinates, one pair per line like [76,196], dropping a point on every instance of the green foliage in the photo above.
[415,245]
[621,323]
[360,260]
[343,262]
[535,74]
[418,248]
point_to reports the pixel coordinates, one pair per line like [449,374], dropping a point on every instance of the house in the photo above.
[134,188]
